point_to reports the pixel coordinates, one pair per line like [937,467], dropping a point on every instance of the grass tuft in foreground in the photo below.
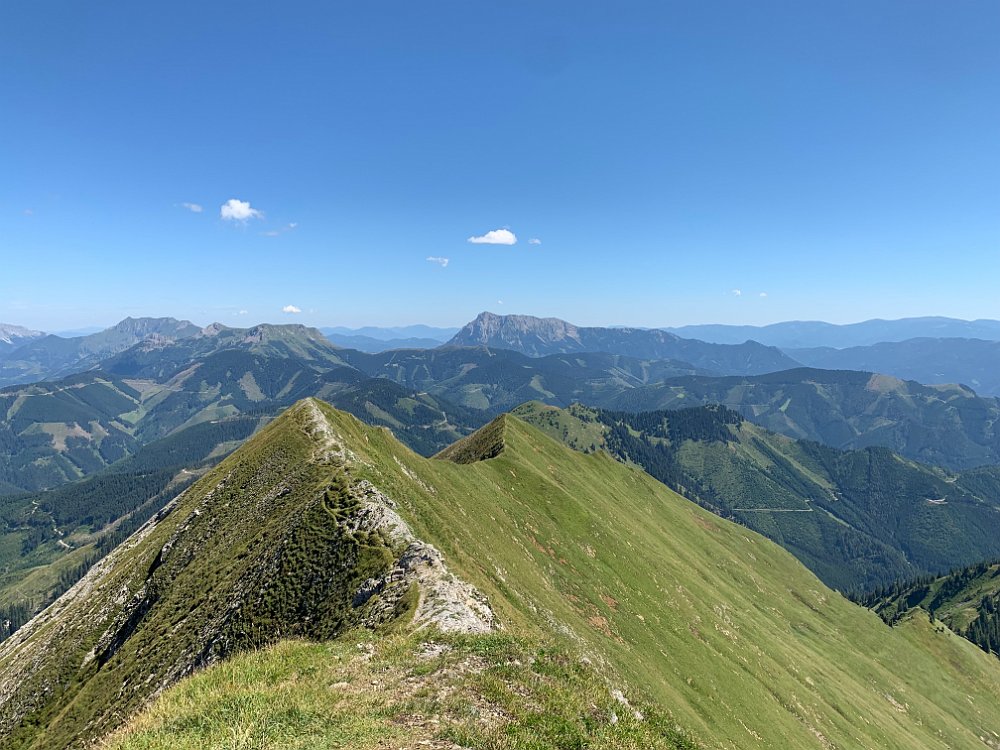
[428,690]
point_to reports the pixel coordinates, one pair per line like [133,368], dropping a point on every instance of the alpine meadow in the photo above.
[525,376]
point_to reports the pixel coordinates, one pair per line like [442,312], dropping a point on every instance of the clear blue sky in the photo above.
[841,157]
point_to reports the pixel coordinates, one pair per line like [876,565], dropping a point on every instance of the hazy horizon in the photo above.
[78,330]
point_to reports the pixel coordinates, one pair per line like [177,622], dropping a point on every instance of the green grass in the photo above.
[716,623]
[858,519]
[706,621]
[400,691]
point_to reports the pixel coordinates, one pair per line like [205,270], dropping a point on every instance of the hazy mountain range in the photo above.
[946,351]
[798,334]
[972,362]
[542,336]
[12,337]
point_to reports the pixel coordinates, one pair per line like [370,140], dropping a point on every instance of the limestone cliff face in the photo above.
[539,337]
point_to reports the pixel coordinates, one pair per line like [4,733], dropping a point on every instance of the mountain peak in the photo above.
[164,326]
[538,337]
[284,539]
[12,336]
[213,329]
[489,327]
[485,443]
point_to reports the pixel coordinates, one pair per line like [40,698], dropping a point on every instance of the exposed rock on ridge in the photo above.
[281,541]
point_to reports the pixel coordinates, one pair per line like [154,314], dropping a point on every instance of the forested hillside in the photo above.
[944,425]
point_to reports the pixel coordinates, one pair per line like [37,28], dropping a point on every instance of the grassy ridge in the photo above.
[710,622]
[858,519]
[488,691]
[719,625]
[966,600]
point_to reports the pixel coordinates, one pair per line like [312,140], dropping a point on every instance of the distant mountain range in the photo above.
[12,337]
[797,334]
[945,425]
[394,333]
[537,337]
[972,362]
[51,356]
[374,339]
[178,375]
[373,345]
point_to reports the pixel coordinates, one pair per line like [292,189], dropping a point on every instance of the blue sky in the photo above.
[841,158]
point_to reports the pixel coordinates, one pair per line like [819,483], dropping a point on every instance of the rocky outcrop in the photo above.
[282,541]
[538,337]
[443,600]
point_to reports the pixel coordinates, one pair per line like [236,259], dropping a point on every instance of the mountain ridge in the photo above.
[858,519]
[737,639]
[944,425]
[14,336]
[972,362]
[794,334]
[51,356]
[541,336]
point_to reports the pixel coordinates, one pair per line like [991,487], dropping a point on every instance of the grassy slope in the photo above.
[956,599]
[714,623]
[858,519]
[720,625]
[366,692]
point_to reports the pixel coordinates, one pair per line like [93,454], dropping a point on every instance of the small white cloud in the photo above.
[499,301]
[291,310]
[243,312]
[443,262]
[763,294]
[28,212]
[193,207]
[737,292]
[534,241]
[278,232]
[237,210]
[495,237]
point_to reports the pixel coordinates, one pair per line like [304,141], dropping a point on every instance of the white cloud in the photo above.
[243,312]
[495,237]
[237,210]
[763,294]
[291,310]
[737,292]
[499,301]
[443,262]
[194,207]
[278,232]
[534,241]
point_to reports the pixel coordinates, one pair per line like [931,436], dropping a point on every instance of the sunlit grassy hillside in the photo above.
[711,624]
